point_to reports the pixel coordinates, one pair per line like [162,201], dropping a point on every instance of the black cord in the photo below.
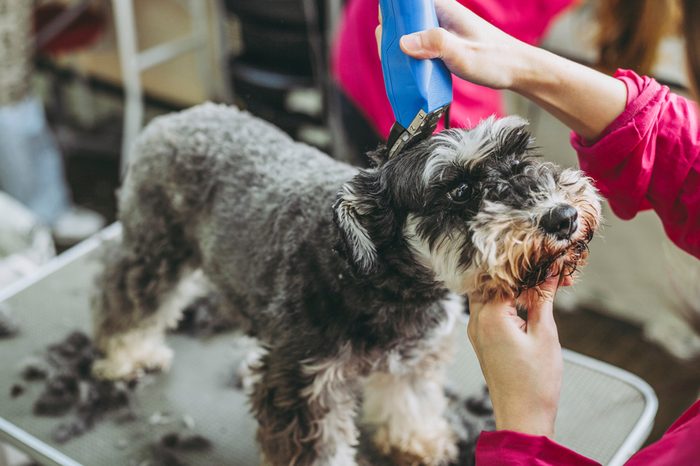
[317,52]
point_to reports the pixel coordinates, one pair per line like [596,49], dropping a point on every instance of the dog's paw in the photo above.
[128,365]
[246,375]
[437,447]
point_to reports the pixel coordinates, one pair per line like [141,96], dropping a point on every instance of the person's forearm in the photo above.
[585,100]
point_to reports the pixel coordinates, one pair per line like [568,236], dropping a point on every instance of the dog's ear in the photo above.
[360,212]
[378,156]
[511,135]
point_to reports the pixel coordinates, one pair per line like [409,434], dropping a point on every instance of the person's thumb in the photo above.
[540,313]
[431,43]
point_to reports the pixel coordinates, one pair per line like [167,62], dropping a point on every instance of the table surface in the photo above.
[605,412]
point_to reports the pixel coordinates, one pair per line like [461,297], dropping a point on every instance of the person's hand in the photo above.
[521,361]
[585,100]
[471,48]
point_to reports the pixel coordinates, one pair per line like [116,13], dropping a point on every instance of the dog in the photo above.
[340,273]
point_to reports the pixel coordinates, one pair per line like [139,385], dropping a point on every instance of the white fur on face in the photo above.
[466,148]
[506,243]
[443,259]
[581,193]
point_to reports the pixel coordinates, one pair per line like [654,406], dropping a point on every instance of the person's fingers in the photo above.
[457,18]
[431,43]
[450,6]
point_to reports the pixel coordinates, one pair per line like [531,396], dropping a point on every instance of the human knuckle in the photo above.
[441,37]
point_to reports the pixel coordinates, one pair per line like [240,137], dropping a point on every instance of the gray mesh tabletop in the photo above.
[605,413]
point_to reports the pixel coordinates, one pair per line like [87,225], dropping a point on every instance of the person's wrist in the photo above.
[533,425]
[527,68]
[527,420]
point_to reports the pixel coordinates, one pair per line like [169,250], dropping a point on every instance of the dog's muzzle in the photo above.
[563,264]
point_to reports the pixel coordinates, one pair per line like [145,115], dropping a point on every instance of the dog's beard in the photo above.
[563,265]
[531,259]
[523,259]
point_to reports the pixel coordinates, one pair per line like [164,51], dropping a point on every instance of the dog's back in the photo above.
[216,188]
[191,155]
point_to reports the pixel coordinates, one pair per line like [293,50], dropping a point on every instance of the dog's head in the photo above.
[475,207]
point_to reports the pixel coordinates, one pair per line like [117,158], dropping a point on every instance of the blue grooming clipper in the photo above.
[420,91]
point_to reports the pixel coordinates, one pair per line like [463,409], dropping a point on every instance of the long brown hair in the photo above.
[630,32]
[691,30]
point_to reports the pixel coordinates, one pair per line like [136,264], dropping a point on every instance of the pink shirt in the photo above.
[356,67]
[678,446]
[648,158]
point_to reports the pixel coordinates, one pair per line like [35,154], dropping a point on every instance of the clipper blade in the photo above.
[422,126]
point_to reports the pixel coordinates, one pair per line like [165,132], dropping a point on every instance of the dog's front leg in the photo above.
[305,410]
[407,413]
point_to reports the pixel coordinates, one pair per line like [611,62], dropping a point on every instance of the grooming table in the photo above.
[606,413]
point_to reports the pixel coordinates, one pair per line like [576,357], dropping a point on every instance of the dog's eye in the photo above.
[460,193]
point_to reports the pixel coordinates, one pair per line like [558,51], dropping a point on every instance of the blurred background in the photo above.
[79,79]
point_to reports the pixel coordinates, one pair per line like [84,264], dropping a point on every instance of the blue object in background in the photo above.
[411,85]
[31,169]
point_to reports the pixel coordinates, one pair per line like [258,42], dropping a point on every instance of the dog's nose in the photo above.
[560,221]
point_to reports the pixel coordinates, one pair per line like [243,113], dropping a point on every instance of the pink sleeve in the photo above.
[507,448]
[679,445]
[649,157]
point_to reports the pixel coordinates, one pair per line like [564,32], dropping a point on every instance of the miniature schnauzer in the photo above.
[340,273]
